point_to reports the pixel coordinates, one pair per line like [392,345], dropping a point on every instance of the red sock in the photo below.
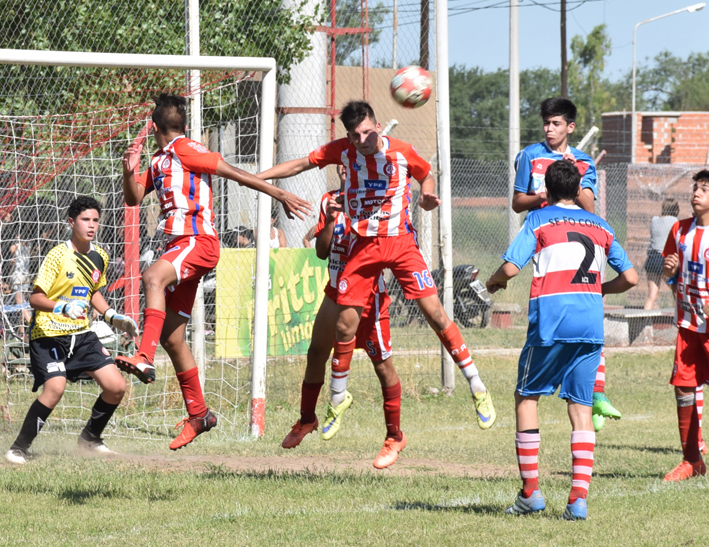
[600,385]
[452,340]
[688,432]
[582,445]
[309,394]
[153,321]
[527,445]
[392,411]
[192,392]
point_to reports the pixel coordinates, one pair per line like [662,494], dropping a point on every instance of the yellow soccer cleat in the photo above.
[485,410]
[333,420]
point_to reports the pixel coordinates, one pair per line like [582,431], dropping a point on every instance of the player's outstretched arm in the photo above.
[286,169]
[427,199]
[523,202]
[292,204]
[499,279]
[133,192]
[624,282]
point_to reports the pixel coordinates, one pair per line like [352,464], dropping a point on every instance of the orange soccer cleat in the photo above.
[298,433]
[192,428]
[686,470]
[390,452]
[139,365]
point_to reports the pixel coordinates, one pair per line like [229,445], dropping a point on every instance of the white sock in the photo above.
[471,374]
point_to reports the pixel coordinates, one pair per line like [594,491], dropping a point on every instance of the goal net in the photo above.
[65,121]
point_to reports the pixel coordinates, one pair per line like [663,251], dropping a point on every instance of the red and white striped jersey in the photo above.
[339,250]
[691,243]
[377,187]
[181,174]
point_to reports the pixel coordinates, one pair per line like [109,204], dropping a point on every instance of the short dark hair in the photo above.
[355,112]
[558,106]
[170,113]
[562,180]
[81,204]
[670,207]
[701,175]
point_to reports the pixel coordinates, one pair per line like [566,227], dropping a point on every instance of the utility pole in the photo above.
[514,141]
[423,45]
[564,63]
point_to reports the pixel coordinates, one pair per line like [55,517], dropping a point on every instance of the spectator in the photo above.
[660,227]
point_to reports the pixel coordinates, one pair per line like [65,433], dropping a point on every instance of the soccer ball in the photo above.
[411,87]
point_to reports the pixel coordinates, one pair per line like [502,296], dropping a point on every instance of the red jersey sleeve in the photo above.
[323,213]
[145,180]
[671,243]
[328,154]
[196,158]
[419,168]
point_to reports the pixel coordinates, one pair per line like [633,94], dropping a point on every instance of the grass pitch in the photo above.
[449,487]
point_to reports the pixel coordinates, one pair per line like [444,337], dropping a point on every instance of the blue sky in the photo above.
[481,38]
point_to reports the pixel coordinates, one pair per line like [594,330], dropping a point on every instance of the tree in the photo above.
[480,114]
[675,84]
[589,90]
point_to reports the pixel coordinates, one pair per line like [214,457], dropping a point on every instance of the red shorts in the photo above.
[193,257]
[691,359]
[373,334]
[370,255]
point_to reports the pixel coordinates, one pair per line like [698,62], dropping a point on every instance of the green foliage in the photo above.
[479,113]
[674,83]
[588,87]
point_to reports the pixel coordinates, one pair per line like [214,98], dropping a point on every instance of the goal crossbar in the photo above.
[265,65]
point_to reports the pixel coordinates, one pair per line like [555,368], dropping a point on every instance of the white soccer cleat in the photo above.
[17,457]
[95,447]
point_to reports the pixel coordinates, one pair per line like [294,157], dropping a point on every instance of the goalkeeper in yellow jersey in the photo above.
[61,345]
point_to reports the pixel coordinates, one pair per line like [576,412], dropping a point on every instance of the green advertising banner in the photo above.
[297,278]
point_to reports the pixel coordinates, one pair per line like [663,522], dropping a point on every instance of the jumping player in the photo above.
[685,255]
[61,345]
[376,199]
[569,248]
[333,240]
[180,172]
[559,121]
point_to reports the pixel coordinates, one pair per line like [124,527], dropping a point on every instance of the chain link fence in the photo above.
[64,132]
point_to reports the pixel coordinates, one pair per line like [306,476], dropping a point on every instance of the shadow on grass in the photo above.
[479,509]
[641,448]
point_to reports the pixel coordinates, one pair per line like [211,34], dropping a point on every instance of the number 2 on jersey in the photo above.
[582,274]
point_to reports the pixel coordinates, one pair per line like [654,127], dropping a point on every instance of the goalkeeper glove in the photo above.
[122,322]
[76,309]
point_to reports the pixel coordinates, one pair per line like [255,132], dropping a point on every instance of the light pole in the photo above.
[633,126]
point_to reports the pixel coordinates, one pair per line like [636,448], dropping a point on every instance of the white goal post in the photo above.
[267,109]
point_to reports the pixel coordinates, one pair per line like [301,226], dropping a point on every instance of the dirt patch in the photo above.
[316,465]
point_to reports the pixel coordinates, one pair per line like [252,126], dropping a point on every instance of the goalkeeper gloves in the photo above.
[76,309]
[122,322]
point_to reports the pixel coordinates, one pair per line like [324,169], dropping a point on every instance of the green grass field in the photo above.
[449,487]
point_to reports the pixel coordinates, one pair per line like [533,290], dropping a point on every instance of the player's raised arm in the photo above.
[292,204]
[624,282]
[133,192]
[499,279]
[324,239]
[287,169]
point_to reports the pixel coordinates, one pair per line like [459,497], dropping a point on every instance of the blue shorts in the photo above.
[542,369]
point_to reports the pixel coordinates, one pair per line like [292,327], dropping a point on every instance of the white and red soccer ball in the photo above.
[411,87]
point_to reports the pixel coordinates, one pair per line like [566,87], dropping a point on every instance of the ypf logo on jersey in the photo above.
[695,267]
[342,286]
[81,292]
[95,276]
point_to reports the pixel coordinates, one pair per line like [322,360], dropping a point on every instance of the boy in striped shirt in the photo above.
[685,253]
[180,174]
[569,248]
[376,197]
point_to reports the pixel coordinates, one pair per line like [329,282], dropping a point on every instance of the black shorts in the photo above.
[653,262]
[56,356]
